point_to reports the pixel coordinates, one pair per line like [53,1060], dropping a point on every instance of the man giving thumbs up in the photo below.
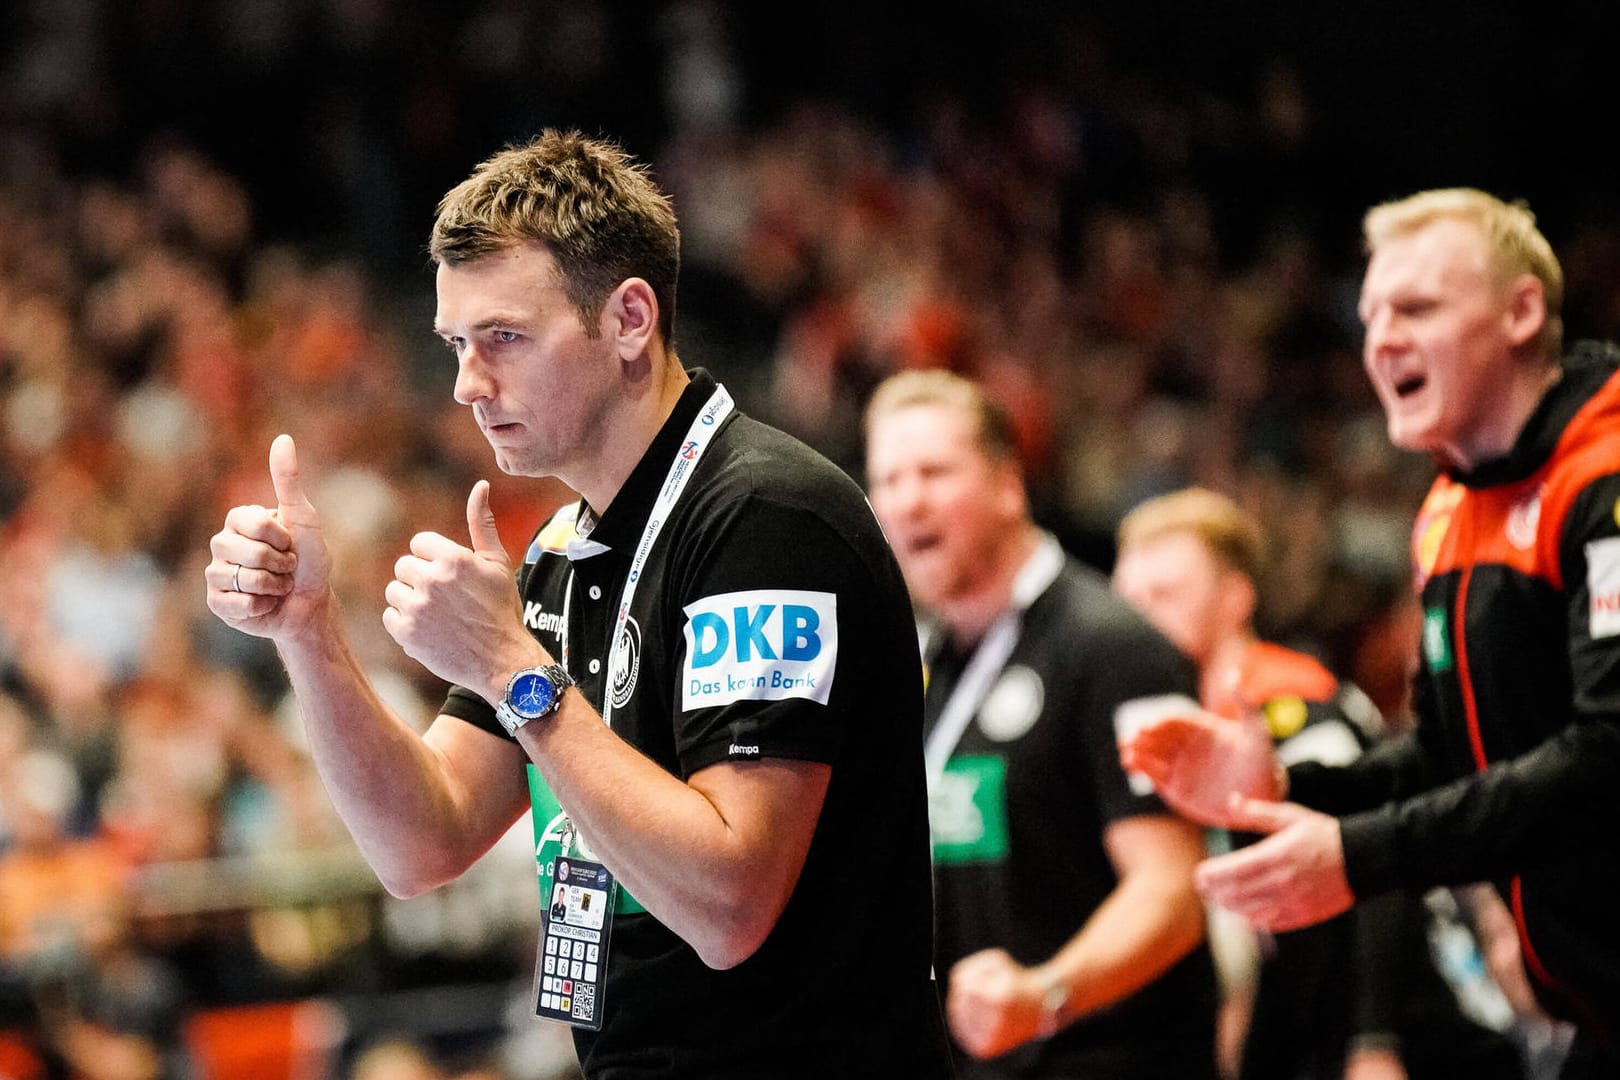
[708,662]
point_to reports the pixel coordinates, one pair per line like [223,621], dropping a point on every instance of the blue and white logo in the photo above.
[760,645]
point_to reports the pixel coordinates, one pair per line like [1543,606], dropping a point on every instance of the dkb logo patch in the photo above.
[758,645]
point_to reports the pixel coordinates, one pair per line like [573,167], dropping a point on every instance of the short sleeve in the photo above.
[1137,678]
[777,618]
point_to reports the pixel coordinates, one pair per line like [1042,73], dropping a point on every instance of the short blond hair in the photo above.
[1516,245]
[995,433]
[1232,535]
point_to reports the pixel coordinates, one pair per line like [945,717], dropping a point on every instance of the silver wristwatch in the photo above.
[531,694]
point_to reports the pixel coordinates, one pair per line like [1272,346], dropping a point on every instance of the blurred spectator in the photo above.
[56,891]
[69,969]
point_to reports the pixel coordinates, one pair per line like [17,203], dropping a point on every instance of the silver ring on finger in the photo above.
[236,578]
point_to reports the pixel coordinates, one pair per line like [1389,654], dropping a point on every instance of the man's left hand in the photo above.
[455,610]
[1294,877]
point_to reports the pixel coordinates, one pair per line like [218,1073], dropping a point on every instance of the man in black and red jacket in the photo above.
[1513,773]
[1357,995]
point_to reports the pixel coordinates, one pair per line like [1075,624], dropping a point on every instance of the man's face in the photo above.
[1440,339]
[942,502]
[1176,582]
[537,385]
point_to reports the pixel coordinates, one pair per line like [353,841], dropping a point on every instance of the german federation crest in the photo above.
[626,664]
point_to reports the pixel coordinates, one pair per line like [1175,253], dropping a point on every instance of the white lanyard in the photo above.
[1034,578]
[698,438]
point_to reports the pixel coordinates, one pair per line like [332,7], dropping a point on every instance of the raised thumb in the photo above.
[289,486]
[486,538]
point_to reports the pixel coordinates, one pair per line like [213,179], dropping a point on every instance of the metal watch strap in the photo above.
[560,681]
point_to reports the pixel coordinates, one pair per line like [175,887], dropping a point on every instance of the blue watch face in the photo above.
[532,695]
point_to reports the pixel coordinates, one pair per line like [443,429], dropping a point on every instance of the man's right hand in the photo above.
[1200,762]
[271,573]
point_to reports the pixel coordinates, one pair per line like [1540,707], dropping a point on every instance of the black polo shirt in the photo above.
[1020,811]
[770,620]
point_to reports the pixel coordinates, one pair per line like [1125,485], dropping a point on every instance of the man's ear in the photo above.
[1526,310]
[630,317]
[1011,494]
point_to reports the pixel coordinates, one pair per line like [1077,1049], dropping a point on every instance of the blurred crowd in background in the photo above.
[212,218]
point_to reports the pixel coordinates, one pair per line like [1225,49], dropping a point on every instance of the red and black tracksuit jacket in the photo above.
[1513,773]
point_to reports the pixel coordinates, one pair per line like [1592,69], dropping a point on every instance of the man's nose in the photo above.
[1383,331]
[472,381]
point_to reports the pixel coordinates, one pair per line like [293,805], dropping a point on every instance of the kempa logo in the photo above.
[536,618]
[743,751]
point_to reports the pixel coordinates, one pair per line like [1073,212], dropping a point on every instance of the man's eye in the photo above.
[506,337]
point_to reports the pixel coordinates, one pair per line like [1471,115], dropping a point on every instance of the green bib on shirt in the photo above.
[967,810]
[548,825]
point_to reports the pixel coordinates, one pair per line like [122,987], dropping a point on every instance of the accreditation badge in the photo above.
[554,835]
[571,964]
